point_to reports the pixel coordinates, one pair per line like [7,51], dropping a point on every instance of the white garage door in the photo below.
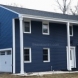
[6,61]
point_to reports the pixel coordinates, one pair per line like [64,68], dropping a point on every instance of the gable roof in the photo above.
[40,13]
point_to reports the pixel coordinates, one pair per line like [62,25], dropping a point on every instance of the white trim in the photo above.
[72,31]
[29,26]
[9,9]
[48,28]
[48,54]
[13,31]
[47,18]
[68,44]
[6,49]
[21,46]
[69,57]
[30,60]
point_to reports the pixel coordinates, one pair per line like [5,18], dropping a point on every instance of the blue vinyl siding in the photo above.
[17,46]
[6,28]
[74,41]
[56,41]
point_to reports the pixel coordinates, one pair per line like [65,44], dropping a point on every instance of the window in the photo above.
[8,52]
[2,53]
[27,55]
[46,55]
[45,28]
[27,27]
[71,30]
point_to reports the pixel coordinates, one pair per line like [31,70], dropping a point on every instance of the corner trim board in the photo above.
[13,30]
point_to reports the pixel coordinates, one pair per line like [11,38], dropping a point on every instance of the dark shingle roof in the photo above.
[41,13]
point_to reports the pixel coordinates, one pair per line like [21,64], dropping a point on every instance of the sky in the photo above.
[46,5]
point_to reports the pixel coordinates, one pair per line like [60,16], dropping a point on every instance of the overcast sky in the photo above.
[47,5]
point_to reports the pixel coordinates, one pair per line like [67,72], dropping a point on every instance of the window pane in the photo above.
[71,28]
[8,52]
[70,55]
[45,57]
[26,51]
[45,54]
[45,51]
[27,26]
[2,53]
[26,55]
[26,58]
[45,28]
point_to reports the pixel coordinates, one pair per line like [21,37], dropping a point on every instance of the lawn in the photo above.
[74,75]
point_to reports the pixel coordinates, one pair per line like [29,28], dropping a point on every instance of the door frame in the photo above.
[73,47]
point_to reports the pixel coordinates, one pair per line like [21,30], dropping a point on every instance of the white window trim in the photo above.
[72,31]
[48,54]
[29,56]
[48,28]
[24,27]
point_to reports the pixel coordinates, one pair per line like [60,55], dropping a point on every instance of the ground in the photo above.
[74,75]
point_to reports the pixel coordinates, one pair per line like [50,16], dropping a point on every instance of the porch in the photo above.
[67,23]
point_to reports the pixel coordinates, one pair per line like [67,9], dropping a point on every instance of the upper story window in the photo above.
[45,28]
[46,55]
[71,30]
[27,55]
[27,27]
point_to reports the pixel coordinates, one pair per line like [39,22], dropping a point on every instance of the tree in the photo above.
[64,7]
[75,10]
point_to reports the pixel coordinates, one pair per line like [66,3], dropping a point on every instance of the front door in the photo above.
[72,57]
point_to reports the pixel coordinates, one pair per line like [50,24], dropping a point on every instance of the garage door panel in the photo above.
[6,61]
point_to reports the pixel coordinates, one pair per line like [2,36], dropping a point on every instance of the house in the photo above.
[34,41]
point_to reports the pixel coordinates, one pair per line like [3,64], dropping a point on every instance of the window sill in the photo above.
[45,33]
[27,61]
[46,61]
[71,35]
[27,32]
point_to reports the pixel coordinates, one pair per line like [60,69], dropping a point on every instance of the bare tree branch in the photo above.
[75,12]
[59,5]
[68,4]
[65,5]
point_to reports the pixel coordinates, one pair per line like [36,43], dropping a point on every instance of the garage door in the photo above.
[6,61]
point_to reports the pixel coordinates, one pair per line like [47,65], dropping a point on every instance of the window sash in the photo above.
[27,27]
[46,55]
[45,28]
[27,56]
[71,30]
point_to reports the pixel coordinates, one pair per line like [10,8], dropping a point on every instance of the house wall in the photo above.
[6,28]
[56,41]
[17,46]
[74,41]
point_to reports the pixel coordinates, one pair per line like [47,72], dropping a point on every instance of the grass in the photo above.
[70,75]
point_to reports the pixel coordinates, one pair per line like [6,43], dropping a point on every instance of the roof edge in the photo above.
[9,10]
[48,18]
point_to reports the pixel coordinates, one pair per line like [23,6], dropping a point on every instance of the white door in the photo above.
[6,61]
[72,57]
